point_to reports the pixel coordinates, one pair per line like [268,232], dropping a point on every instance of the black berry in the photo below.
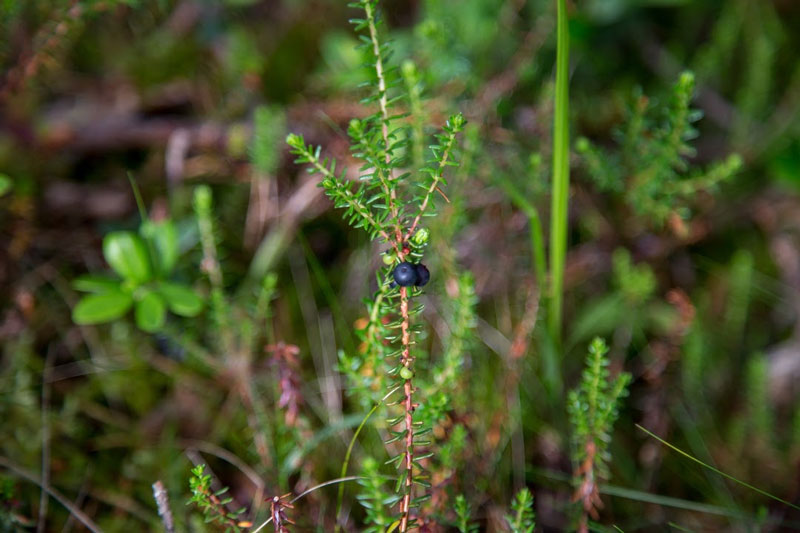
[423,275]
[405,274]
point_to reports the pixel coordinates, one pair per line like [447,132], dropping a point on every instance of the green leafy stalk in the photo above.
[464,515]
[375,204]
[384,176]
[355,203]
[414,90]
[213,504]
[651,171]
[593,409]
[442,154]
[219,305]
[523,519]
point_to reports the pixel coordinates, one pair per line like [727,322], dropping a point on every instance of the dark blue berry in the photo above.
[423,275]
[405,274]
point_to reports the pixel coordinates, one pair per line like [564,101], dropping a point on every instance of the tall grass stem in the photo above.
[560,184]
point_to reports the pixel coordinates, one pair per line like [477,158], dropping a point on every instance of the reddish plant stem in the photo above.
[408,403]
[587,493]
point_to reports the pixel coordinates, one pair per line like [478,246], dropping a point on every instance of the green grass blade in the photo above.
[346,462]
[537,240]
[718,471]
[560,185]
[667,501]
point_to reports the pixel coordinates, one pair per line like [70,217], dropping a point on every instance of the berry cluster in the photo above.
[407,274]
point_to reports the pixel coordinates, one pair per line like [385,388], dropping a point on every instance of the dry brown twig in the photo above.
[285,357]
[278,507]
[162,502]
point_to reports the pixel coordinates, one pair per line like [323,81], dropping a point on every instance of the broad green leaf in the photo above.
[5,184]
[181,300]
[103,307]
[164,237]
[150,311]
[93,283]
[126,252]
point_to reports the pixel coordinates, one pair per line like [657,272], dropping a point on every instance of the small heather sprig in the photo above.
[636,282]
[374,497]
[651,168]
[522,518]
[593,409]
[208,237]
[269,127]
[434,171]
[413,86]
[441,391]
[212,504]
[464,516]
[353,199]
[462,333]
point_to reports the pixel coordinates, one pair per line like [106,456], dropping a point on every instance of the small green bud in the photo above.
[409,69]
[457,121]
[421,237]
[734,162]
[202,198]
[686,79]
[430,29]
[598,345]
[237,140]
[355,129]
[406,373]
[5,184]
[388,258]
[582,144]
[294,140]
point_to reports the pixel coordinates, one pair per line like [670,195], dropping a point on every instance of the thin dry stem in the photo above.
[162,502]
[74,510]
[43,499]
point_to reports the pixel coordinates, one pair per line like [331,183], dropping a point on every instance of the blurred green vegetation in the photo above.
[695,289]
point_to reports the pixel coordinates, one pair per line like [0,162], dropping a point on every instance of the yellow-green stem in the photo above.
[560,186]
